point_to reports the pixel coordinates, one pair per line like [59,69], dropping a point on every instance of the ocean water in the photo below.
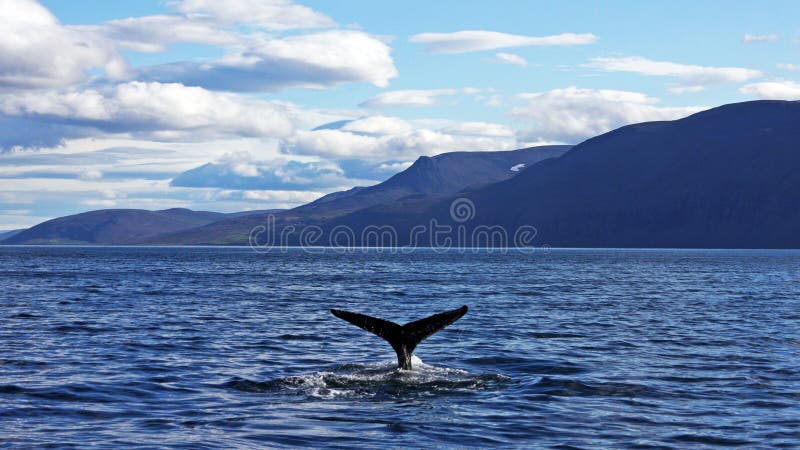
[226,348]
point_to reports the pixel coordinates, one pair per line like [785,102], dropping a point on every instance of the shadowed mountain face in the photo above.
[441,175]
[727,177]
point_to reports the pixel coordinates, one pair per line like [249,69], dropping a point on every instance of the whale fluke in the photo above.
[402,338]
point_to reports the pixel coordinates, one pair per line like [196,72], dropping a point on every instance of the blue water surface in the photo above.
[225,348]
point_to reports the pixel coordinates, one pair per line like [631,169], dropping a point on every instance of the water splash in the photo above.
[378,379]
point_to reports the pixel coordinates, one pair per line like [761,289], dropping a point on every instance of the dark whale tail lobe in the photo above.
[402,338]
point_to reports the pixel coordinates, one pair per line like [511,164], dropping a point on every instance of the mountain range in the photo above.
[728,177]
[428,177]
[440,175]
[115,226]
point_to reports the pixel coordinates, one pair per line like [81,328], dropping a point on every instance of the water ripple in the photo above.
[225,348]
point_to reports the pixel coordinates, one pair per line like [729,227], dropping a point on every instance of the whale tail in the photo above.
[403,338]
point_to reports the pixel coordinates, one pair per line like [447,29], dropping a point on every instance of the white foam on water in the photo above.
[371,379]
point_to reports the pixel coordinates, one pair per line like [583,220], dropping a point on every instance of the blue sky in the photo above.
[227,105]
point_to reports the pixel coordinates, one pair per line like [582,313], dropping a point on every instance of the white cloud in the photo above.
[92,165]
[395,167]
[69,194]
[413,97]
[573,114]
[209,22]
[378,126]
[401,142]
[99,202]
[338,144]
[242,171]
[64,180]
[36,51]
[773,90]
[262,63]
[49,181]
[407,98]
[126,154]
[16,212]
[267,14]
[789,67]
[304,117]
[690,76]
[477,40]
[91,174]
[153,110]
[98,188]
[759,38]
[334,144]
[240,164]
[493,100]
[509,58]
[686,89]
[479,129]
[151,34]
[278,198]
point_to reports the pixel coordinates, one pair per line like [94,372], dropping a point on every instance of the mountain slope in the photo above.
[728,177]
[253,212]
[8,233]
[443,174]
[112,226]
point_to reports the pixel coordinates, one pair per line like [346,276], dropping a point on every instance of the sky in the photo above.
[259,104]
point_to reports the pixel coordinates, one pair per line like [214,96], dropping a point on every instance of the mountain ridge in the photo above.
[440,174]
[728,177]
[428,176]
[114,226]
